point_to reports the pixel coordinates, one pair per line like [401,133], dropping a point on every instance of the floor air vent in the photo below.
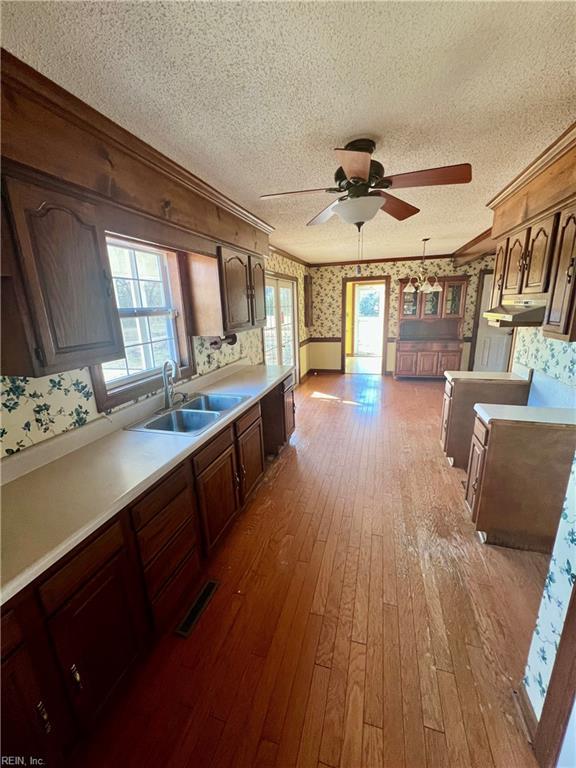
[204,596]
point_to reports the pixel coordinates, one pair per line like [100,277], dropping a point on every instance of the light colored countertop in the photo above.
[483,376]
[489,412]
[47,512]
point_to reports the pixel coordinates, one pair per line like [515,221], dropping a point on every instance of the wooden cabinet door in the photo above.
[562,289]
[430,305]
[427,364]
[408,304]
[289,413]
[475,467]
[27,727]
[218,495]
[515,263]
[453,298]
[63,257]
[449,361]
[406,363]
[236,289]
[258,290]
[446,403]
[538,256]
[251,454]
[499,273]
[96,635]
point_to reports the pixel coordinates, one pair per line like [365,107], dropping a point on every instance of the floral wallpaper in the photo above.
[35,409]
[557,592]
[327,290]
[283,266]
[556,359]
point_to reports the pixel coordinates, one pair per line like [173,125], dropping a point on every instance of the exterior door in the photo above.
[368,319]
[280,334]
[492,344]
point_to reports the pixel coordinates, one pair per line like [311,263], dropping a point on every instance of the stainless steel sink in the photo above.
[213,402]
[183,421]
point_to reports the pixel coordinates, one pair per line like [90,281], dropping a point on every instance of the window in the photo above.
[280,330]
[144,301]
[148,290]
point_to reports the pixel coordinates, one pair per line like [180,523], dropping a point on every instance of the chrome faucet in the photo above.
[169,376]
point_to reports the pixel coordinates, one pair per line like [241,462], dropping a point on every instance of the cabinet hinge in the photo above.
[39,355]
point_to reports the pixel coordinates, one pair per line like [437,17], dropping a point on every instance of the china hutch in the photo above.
[430,328]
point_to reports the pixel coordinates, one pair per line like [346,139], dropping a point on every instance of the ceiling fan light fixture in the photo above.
[356,210]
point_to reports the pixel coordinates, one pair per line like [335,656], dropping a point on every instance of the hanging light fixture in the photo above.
[420,280]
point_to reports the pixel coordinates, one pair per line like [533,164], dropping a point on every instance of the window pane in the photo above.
[160,327]
[136,359]
[152,294]
[126,293]
[134,330]
[163,350]
[114,369]
[148,265]
[120,261]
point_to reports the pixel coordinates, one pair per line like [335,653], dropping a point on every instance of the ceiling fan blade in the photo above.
[397,208]
[331,190]
[356,165]
[324,215]
[447,174]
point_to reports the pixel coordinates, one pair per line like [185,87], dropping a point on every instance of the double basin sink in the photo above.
[192,416]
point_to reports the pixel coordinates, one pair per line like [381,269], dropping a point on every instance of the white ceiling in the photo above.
[253,97]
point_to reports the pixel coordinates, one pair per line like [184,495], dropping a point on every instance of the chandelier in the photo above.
[420,279]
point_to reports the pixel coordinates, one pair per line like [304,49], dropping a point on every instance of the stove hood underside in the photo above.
[519,314]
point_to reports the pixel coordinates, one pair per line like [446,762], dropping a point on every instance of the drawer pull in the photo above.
[76,677]
[243,470]
[237,479]
[570,272]
[43,714]
[475,485]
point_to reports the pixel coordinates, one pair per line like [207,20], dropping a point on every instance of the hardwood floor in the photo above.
[359,621]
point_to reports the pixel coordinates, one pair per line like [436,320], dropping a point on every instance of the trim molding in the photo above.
[527,714]
[321,340]
[560,146]
[327,371]
[36,87]
[289,256]
[378,261]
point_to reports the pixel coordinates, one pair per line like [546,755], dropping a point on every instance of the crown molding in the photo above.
[39,88]
[564,143]
[286,255]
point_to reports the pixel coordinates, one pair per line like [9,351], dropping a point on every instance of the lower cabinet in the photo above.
[289,412]
[278,416]
[251,458]
[427,358]
[446,402]
[96,637]
[218,489]
[475,467]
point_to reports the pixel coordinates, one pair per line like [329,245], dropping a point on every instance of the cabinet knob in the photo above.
[475,485]
[43,715]
[243,470]
[570,271]
[108,284]
[76,677]
[237,479]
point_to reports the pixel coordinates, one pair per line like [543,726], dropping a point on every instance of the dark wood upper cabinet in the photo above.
[96,635]
[539,255]
[258,290]
[515,263]
[499,272]
[236,291]
[61,250]
[453,298]
[561,311]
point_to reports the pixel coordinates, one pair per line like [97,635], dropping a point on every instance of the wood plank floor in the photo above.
[359,622]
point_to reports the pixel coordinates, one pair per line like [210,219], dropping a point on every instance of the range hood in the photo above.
[517,313]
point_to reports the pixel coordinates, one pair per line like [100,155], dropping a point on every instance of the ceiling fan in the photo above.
[361,183]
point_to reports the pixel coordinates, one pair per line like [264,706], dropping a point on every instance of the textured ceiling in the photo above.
[253,97]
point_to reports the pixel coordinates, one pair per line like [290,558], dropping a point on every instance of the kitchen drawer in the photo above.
[412,346]
[178,594]
[59,587]
[161,528]
[247,419]
[444,346]
[158,497]
[448,388]
[161,568]
[11,633]
[215,448]
[288,383]
[481,431]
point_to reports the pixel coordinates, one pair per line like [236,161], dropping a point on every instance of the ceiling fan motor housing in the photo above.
[359,187]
